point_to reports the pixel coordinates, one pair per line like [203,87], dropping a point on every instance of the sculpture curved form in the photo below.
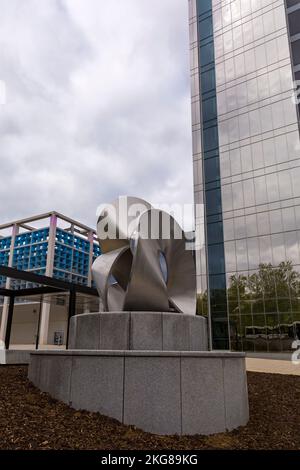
[144,265]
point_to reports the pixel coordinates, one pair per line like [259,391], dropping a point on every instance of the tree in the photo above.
[269,290]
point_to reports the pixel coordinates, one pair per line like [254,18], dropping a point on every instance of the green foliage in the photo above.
[202,307]
[269,290]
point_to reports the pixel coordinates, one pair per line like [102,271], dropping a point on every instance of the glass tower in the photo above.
[245,57]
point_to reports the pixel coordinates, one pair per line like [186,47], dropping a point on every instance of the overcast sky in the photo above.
[98,105]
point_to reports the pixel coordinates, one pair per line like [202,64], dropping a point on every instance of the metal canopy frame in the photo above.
[24,222]
[49,285]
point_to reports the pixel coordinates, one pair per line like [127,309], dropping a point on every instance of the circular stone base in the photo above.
[138,331]
[159,392]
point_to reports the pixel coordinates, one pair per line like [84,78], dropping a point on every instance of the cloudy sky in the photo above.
[97,105]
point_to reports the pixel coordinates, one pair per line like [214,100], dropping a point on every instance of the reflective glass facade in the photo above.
[246,151]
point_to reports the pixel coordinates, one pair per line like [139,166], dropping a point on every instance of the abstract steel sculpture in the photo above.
[141,361]
[144,265]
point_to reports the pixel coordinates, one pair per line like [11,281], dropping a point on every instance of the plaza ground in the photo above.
[273,366]
[30,419]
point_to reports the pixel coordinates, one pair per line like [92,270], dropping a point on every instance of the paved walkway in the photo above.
[272,366]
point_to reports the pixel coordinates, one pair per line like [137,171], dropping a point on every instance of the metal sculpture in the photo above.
[144,265]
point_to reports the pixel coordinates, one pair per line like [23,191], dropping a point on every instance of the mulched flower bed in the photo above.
[30,419]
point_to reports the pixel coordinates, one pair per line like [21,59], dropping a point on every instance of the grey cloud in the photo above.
[98,105]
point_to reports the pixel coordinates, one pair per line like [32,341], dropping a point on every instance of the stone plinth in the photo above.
[147,369]
[159,392]
[138,331]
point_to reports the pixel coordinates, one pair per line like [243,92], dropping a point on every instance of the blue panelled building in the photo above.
[54,245]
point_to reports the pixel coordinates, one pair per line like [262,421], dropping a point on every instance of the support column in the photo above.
[86,306]
[45,314]
[9,321]
[90,279]
[91,253]
[5,308]
[71,312]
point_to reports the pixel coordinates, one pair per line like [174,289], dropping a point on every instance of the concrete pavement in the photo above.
[272,366]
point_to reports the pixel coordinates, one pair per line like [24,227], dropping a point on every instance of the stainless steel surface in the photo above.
[147,267]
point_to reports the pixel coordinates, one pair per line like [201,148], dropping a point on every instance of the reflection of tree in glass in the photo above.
[202,304]
[270,289]
[264,308]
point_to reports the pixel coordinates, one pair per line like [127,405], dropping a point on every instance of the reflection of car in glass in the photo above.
[290,330]
[280,331]
[255,332]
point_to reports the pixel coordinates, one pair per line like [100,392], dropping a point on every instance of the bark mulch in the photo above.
[30,419]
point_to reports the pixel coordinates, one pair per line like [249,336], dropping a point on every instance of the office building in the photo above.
[245,56]
[55,246]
